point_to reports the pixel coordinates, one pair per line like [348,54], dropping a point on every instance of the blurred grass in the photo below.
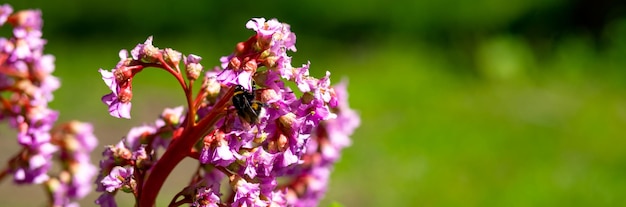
[456,111]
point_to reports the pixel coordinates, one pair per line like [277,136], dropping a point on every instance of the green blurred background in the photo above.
[463,103]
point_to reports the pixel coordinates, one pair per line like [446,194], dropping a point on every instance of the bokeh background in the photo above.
[463,103]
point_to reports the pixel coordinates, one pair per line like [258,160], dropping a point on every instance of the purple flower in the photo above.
[29,19]
[263,28]
[213,179]
[35,171]
[219,154]
[191,58]
[33,167]
[113,156]
[106,200]
[41,119]
[171,117]
[287,158]
[117,108]
[279,34]
[79,141]
[315,182]
[247,194]
[145,52]
[278,198]
[232,77]
[298,138]
[193,66]
[117,178]
[138,135]
[47,83]
[110,80]
[225,60]
[5,11]
[206,197]
[119,80]
[82,181]
[259,163]
[84,135]
[341,128]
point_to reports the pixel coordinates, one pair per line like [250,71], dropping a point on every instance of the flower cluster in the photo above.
[26,87]
[135,151]
[245,125]
[75,141]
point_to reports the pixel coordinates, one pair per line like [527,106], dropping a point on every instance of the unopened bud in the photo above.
[287,122]
[27,87]
[193,70]
[234,63]
[270,61]
[212,87]
[172,57]
[26,18]
[52,185]
[121,155]
[269,95]
[250,66]
[122,74]
[150,53]
[240,48]
[142,161]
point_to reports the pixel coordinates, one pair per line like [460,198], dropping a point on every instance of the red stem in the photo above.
[3,173]
[186,87]
[178,150]
[191,114]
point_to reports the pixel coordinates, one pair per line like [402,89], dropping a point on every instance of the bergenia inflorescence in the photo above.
[26,87]
[275,146]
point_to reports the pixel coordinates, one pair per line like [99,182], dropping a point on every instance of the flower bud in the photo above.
[193,66]
[30,19]
[287,121]
[172,57]
[65,177]
[123,74]
[234,63]
[278,145]
[171,116]
[121,154]
[269,95]
[142,161]
[52,184]
[27,87]
[150,54]
[193,70]
[250,66]
[213,87]
[240,48]
[270,61]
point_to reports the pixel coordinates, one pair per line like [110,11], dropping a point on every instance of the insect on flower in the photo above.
[247,107]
